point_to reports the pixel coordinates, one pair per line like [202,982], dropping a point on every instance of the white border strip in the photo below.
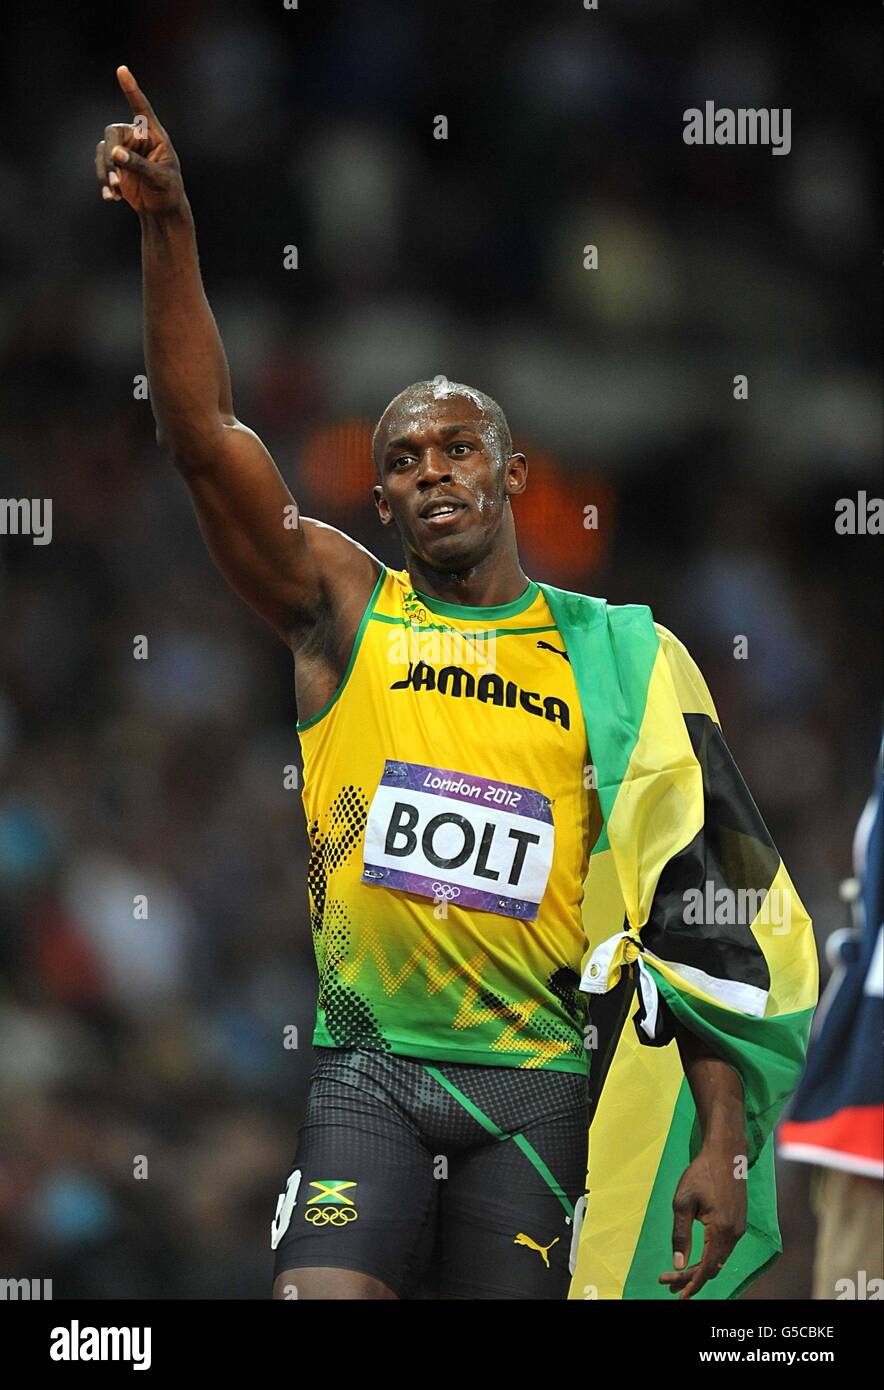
[749,999]
[832,1158]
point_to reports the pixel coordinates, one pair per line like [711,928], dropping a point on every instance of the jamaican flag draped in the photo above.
[689,914]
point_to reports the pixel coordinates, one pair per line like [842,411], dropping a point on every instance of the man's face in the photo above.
[444,482]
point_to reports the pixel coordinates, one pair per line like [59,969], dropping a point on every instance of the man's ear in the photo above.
[516,474]
[382,505]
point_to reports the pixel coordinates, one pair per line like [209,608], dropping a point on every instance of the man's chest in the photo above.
[504,704]
[482,782]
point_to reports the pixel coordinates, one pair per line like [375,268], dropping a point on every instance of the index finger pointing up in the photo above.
[138,102]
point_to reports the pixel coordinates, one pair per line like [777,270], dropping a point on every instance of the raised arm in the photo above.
[295,572]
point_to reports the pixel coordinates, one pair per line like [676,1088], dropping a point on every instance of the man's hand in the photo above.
[136,163]
[708,1192]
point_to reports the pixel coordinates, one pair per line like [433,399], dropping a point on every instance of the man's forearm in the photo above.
[717,1091]
[186,366]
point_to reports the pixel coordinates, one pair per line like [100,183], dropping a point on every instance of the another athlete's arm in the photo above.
[713,1187]
[296,573]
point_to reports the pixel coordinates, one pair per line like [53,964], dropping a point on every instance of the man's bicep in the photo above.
[286,567]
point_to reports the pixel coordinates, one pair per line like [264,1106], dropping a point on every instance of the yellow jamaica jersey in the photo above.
[447,809]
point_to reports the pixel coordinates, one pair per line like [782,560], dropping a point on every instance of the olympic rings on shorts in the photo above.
[330,1216]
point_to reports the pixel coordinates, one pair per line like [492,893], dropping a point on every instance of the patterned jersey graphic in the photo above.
[447,817]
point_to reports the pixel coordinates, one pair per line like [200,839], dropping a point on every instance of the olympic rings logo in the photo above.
[330,1216]
[446,890]
[415,609]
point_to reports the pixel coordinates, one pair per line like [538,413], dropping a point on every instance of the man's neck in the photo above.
[494,580]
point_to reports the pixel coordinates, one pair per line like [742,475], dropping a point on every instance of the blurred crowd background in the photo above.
[313,128]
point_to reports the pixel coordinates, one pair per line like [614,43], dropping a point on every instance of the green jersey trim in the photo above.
[496,610]
[357,643]
[480,632]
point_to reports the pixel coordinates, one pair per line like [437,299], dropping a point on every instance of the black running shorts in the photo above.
[438,1179]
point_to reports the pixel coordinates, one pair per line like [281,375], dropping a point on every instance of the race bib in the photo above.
[470,841]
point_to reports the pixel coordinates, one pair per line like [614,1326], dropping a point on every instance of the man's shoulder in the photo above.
[591,609]
[670,642]
[690,684]
[631,634]
[623,615]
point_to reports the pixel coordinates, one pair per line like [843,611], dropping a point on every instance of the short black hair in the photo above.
[441,388]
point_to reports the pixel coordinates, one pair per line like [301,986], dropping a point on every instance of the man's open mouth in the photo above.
[442,511]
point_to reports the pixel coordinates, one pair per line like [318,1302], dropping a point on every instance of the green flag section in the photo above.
[687,897]
[769,1055]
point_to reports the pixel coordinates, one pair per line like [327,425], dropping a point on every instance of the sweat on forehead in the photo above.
[423,398]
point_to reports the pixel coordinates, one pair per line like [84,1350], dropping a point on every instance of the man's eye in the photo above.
[461,445]
[403,458]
